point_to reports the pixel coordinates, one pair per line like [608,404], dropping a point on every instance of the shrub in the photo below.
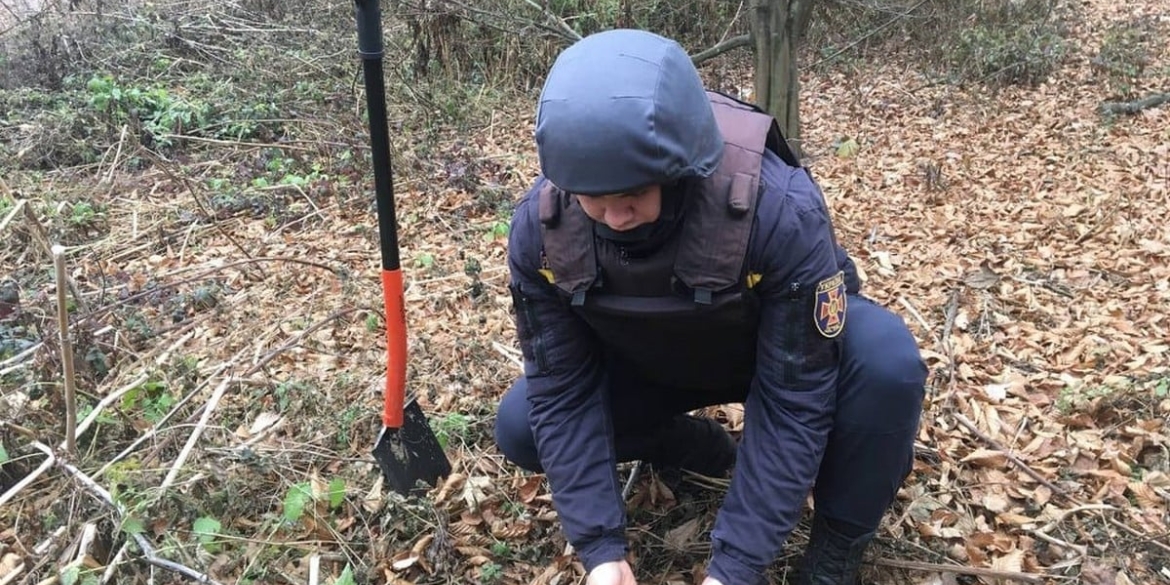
[1127,48]
[1022,54]
[985,41]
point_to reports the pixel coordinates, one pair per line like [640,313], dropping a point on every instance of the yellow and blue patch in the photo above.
[829,308]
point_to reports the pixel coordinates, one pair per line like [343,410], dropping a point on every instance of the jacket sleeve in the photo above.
[569,412]
[790,405]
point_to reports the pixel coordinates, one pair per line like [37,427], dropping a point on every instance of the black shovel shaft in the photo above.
[369,25]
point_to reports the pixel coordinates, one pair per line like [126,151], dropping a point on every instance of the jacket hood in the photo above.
[623,109]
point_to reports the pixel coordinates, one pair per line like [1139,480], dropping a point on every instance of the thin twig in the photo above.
[1097,227]
[1015,460]
[918,317]
[154,430]
[166,167]
[314,569]
[1081,550]
[867,35]
[239,143]
[219,391]
[509,354]
[204,274]
[296,340]
[952,311]
[42,236]
[18,358]
[66,353]
[195,434]
[12,575]
[143,543]
[107,401]
[744,40]
[955,569]
[11,214]
[28,479]
[944,343]
[109,178]
[635,471]
[1136,106]
[1138,533]
[114,562]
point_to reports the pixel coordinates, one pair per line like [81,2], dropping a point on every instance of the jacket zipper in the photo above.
[537,338]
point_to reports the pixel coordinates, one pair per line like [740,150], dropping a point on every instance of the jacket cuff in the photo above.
[603,550]
[730,570]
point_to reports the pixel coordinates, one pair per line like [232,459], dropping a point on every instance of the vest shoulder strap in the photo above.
[720,220]
[567,235]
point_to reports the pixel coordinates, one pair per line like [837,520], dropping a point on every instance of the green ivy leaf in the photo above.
[1161,391]
[295,500]
[133,525]
[847,148]
[336,492]
[3,454]
[69,576]
[346,577]
[206,529]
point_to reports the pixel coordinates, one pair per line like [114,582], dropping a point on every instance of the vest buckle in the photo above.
[703,296]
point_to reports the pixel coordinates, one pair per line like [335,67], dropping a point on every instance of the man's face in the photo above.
[624,211]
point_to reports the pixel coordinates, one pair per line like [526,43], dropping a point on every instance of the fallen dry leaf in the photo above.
[680,537]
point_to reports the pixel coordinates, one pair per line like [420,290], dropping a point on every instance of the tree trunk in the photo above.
[777,29]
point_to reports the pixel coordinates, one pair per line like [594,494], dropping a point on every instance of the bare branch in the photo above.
[569,32]
[744,40]
[869,34]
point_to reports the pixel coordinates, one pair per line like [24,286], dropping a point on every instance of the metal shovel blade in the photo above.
[411,454]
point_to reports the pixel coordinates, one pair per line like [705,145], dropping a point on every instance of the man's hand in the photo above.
[712,581]
[612,573]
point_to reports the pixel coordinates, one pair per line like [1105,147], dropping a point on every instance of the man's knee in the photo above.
[883,366]
[513,431]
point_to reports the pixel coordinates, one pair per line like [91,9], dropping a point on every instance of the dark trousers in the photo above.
[871,448]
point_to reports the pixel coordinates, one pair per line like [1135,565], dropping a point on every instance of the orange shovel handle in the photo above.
[395,395]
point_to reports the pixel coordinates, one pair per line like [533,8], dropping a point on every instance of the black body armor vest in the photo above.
[683,316]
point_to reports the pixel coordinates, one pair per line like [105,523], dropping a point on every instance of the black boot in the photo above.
[697,444]
[831,557]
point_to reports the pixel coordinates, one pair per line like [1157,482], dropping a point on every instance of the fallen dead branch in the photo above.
[28,479]
[147,549]
[1036,475]
[11,214]
[1134,106]
[208,409]
[153,430]
[955,569]
[17,361]
[203,274]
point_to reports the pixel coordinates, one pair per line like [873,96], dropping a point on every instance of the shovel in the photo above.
[407,450]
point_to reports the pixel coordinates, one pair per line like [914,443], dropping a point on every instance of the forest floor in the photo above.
[228,335]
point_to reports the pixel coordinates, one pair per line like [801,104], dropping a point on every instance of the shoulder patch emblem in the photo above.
[829,308]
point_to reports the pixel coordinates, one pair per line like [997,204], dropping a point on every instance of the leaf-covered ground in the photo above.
[229,343]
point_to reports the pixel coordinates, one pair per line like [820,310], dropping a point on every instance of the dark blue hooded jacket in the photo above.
[637,103]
